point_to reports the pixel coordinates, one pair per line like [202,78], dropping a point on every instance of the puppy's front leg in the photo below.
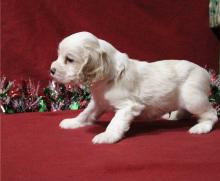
[90,114]
[118,125]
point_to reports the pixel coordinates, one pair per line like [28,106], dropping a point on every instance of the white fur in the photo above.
[131,88]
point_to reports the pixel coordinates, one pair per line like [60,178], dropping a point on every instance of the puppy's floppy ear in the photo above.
[96,66]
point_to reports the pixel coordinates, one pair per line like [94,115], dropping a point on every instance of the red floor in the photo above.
[35,149]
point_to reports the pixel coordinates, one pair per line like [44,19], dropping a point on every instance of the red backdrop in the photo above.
[147,30]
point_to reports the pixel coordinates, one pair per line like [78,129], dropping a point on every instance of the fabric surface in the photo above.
[144,29]
[34,148]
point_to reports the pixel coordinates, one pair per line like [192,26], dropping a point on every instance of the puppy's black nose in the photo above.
[52,71]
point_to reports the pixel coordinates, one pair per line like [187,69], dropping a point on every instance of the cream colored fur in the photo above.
[130,87]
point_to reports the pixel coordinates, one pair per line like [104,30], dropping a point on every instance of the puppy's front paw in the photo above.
[73,124]
[106,137]
[200,128]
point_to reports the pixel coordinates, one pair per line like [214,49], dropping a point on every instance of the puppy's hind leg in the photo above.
[206,122]
[196,102]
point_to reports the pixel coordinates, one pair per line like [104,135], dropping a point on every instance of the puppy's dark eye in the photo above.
[69,60]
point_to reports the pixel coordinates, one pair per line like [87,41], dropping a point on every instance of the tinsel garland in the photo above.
[214,97]
[26,97]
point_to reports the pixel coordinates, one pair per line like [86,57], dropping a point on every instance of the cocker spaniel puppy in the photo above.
[130,87]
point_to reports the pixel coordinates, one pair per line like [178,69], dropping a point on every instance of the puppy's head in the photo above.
[80,60]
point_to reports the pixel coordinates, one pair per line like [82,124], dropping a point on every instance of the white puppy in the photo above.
[131,88]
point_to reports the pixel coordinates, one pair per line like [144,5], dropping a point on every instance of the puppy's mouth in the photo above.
[66,82]
[61,77]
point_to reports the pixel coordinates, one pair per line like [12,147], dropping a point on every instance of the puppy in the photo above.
[131,88]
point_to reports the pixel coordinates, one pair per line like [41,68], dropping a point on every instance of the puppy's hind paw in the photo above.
[170,116]
[202,127]
[73,124]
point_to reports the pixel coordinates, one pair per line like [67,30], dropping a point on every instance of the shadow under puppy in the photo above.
[130,87]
